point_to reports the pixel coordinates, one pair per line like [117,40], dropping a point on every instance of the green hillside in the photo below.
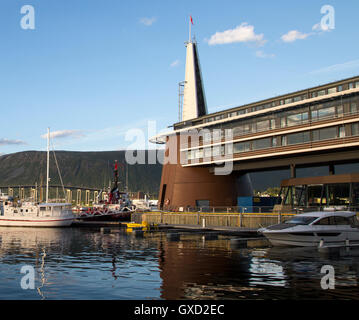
[83,169]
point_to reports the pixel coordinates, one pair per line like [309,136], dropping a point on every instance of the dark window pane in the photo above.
[300,137]
[261,143]
[324,134]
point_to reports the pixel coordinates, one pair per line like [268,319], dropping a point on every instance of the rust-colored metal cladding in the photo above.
[183,187]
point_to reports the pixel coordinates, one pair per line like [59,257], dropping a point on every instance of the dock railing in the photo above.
[243,217]
[250,220]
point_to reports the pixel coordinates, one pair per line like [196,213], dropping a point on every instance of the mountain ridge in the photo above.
[93,169]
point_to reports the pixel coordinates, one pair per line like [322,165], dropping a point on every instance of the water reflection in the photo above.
[76,263]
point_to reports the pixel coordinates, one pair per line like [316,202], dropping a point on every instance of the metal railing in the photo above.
[258,209]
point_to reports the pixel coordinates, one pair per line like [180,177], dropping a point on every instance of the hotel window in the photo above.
[272,123]
[323,113]
[340,88]
[332,90]
[296,119]
[228,148]
[321,93]
[340,110]
[216,151]
[190,155]
[300,137]
[326,133]
[351,85]
[217,134]
[274,141]
[261,143]
[289,100]
[241,147]
[242,111]
[357,84]
[233,114]
[263,125]
[355,129]
[207,137]
[199,153]
[341,131]
[228,133]
[207,152]
[246,128]
[284,140]
[354,107]
[297,98]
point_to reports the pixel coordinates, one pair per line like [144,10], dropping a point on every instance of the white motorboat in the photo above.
[329,228]
[34,214]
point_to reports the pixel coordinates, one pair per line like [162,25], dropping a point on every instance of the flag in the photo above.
[191,19]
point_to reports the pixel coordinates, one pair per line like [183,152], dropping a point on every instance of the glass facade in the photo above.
[339,195]
[289,118]
[312,93]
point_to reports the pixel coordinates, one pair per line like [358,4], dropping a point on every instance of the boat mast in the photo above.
[48,166]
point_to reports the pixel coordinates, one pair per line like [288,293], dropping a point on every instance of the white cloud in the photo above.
[338,67]
[64,134]
[261,54]
[294,35]
[175,63]
[242,33]
[6,142]
[148,21]
[319,27]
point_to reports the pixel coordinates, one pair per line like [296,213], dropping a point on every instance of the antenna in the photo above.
[48,166]
[180,98]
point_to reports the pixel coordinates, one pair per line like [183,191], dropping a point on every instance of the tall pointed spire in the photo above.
[194,100]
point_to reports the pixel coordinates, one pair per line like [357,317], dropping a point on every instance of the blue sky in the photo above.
[93,70]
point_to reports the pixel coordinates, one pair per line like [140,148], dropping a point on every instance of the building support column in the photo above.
[293,171]
[331,169]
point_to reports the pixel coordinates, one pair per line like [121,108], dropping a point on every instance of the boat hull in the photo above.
[311,239]
[122,216]
[30,222]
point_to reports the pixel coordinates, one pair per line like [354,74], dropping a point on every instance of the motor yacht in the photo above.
[329,228]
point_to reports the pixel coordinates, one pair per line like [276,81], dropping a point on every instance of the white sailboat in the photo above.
[33,214]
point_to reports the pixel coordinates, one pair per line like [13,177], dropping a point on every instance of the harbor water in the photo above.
[79,263]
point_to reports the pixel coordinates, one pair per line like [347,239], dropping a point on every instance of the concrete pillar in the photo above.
[293,171]
[69,196]
[331,169]
[78,197]
[87,197]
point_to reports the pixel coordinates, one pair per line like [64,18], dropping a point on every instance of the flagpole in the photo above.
[189,30]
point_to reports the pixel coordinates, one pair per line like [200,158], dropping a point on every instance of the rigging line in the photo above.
[58,169]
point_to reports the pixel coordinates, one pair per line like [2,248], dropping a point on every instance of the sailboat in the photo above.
[34,214]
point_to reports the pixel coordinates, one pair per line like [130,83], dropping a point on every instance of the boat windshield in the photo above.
[301,220]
